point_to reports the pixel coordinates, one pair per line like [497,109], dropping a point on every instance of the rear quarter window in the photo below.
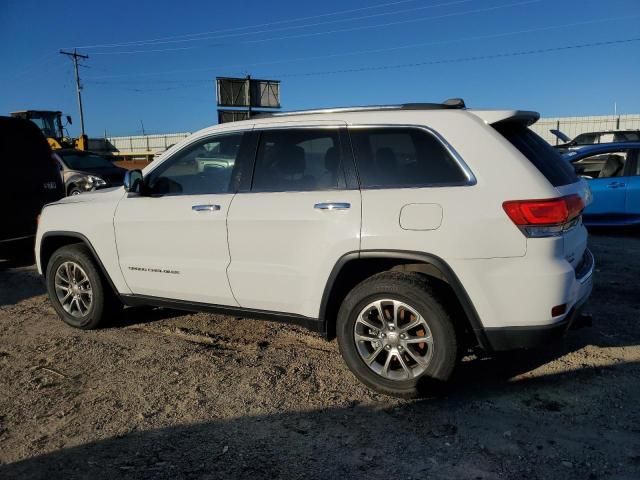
[542,155]
[397,157]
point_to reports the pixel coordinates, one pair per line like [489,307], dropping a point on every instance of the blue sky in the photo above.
[330,53]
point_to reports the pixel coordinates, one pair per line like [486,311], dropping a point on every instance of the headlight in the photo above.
[93,181]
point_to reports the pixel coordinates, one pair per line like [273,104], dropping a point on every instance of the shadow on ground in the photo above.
[413,440]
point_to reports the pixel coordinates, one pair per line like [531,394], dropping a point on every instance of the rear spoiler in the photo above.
[495,116]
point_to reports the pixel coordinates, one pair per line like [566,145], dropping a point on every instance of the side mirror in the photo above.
[133,181]
[69,120]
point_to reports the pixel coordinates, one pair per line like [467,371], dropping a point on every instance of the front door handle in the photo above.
[205,208]
[616,185]
[332,206]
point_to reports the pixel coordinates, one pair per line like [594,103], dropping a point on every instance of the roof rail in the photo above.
[451,103]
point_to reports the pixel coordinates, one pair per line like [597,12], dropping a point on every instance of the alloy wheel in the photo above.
[393,339]
[73,289]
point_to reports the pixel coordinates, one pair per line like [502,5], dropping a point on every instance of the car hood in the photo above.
[102,195]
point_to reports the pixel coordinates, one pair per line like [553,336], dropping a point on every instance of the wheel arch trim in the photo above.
[82,239]
[421,257]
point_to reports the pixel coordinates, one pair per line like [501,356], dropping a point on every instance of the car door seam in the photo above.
[226,223]
[115,238]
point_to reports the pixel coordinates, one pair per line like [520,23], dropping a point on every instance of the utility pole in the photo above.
[75,55]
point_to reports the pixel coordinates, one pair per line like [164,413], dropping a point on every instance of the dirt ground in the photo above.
[169,395]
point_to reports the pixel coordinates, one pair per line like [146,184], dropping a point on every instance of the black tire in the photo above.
[416,291]
[105,305]
[74,190]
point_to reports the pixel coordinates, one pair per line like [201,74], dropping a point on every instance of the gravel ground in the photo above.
[164,394]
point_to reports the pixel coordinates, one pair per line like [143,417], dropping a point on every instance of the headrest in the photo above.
[291,160]
[332,159]
[385,157]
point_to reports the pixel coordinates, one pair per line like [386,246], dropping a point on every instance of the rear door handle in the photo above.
[616,185]
[205,208]
[332,206]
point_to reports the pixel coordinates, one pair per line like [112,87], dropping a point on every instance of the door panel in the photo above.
[283,248]
[168,249]
[608,196]
[299,214]
[633,197]
[632,203]
[172,238]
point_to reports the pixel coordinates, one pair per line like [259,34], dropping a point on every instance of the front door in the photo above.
[298,217]
[172,239]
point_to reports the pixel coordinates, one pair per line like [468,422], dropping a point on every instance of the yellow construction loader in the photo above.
[50,122]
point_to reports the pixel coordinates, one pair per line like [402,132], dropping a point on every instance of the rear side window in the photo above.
[627,137]
[543,156]
[298,160]
[403,157]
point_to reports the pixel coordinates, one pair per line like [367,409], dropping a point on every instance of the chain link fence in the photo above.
[572,126]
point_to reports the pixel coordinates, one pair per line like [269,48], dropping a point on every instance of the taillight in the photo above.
[544,218]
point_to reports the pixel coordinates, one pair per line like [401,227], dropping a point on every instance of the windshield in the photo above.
[49,124]
[82,161]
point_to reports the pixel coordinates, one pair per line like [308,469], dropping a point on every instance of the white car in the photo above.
[412,233]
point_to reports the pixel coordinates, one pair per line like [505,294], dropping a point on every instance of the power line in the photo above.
[278,22]
[43,60]
[376,50]
[328,32]
[402,22]
[294,27]
[466,59]
[426,62]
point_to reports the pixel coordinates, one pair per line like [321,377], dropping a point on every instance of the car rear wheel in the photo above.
[74,191]
[77,290]
[396,336]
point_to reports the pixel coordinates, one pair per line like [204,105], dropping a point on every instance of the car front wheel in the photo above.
[77,290]
[395,335]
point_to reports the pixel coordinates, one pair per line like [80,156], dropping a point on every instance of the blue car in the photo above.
[613,173]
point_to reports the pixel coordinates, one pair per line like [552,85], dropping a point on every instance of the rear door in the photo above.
[297,217]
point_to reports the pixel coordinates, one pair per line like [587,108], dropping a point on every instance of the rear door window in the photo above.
[390,157]
[306,159]
[542,155]
[606,137]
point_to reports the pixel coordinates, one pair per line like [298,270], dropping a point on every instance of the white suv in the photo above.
[413,233]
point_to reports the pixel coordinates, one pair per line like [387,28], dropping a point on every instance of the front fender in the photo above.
[89,220]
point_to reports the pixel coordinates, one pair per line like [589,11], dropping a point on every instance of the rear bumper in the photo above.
[514,338]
